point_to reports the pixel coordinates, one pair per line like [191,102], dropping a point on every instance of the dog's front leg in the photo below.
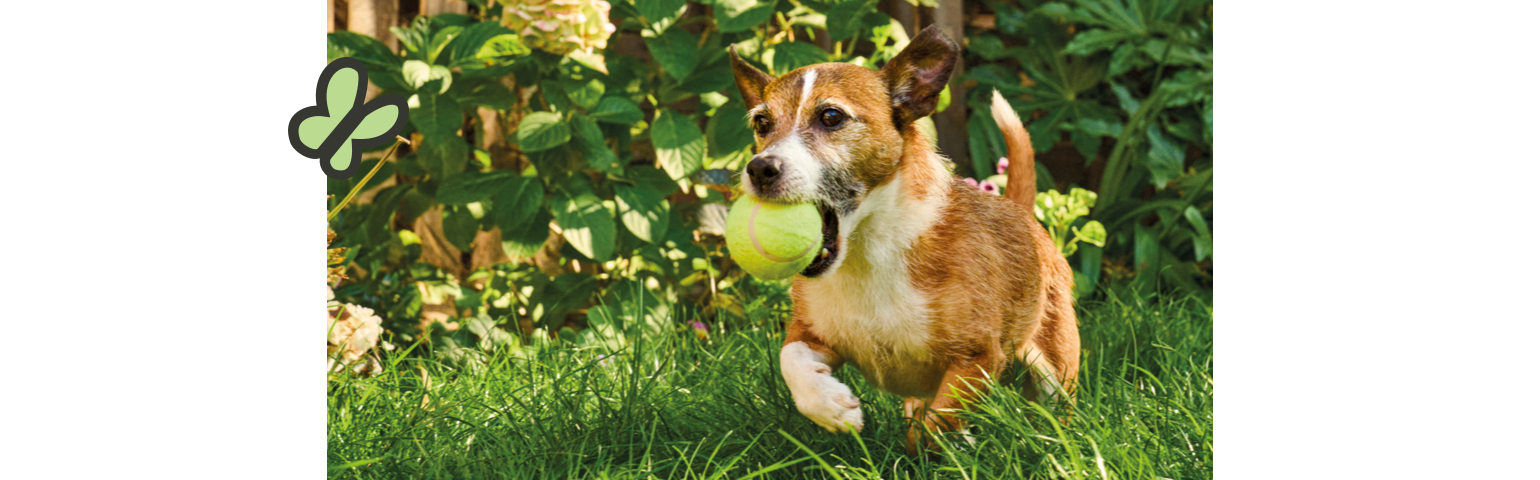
[808,366]
[964,383]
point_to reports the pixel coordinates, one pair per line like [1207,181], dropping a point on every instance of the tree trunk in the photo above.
[435,7]
[952,123]
[373,18]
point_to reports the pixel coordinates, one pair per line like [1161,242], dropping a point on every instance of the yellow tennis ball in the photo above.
[773,241]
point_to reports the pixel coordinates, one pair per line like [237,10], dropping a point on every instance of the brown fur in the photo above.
[993,284]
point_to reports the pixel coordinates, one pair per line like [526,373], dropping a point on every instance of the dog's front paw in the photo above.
[819,396]
[830,404]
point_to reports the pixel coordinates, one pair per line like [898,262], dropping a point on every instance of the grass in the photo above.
[675,406]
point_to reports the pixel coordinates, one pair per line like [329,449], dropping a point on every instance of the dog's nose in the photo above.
[764,170]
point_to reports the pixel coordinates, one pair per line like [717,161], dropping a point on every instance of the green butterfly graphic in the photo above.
[336,130]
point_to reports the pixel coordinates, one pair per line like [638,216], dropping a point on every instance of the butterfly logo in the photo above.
[337,129]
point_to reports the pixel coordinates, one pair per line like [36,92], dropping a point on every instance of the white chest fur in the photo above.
[867,308]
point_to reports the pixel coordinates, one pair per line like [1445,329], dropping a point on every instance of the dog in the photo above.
[927,285]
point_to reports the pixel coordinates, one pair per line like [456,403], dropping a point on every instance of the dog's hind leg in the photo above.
[966,381]
[1044,387]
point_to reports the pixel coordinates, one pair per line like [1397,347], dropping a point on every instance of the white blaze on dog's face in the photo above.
[828,134]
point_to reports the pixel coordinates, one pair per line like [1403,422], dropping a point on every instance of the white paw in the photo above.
[819,397]
[830,405]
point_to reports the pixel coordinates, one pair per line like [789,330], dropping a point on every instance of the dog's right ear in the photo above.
[917,75]
[751,81]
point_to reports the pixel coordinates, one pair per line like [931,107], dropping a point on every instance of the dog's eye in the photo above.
[831,117]
[761,125]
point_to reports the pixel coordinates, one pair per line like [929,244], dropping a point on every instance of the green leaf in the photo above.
[515,204]
[660,13]
[1085,143]
[988,46]
[442,152]
[675,50]
[412,37]
[436,116]
[1126,101]
[484,92]
[1146,255]
[1202,241]
[523,242]
[587,96]
[586,59]
[542,131]
[416,203]
[986,143]
[1060,10]
[487,333]
[1091,41]
[555,94]
[1124,58]
[383,64]
[1165,158]
[711,78]
[373,53]
[441,40]
[381,210]
[657,179]
[1099,127]
[590,144]
[483,45]
[643,207]
[566,293]
[1208,122]
[844,20]
[445,156]
[679,144]
[617,110]
[740,15]
[786,57]
[467,187]
[727,131]
[585,223]
[459,228]
[1186,87]
[1091,262]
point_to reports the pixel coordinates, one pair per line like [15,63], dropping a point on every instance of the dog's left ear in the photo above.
[918,74]
[751,81]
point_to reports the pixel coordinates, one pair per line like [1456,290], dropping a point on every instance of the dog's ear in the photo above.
[918,74]
[751,81]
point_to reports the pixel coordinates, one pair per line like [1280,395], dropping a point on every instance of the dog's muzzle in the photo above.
[764,171]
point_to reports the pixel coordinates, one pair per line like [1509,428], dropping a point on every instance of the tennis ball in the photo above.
[773,241]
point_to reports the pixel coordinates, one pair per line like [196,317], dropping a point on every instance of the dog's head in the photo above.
[829,133]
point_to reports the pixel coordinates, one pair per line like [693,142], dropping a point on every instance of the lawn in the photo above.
[679,406]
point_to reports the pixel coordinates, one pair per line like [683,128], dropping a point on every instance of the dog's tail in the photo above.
[1021,175]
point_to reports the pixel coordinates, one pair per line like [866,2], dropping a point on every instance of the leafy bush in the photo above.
[1127,87]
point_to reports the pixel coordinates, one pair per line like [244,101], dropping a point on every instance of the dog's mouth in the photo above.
[830,249]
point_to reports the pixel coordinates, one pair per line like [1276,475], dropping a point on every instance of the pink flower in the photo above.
[1001,165]
[971,182]
[698,325]
[989,187]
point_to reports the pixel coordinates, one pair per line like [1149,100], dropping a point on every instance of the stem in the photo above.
[365,181]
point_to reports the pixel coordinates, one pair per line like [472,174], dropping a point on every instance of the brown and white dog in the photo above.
[926,284]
